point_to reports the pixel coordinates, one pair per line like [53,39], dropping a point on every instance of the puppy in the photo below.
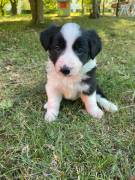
[71,69]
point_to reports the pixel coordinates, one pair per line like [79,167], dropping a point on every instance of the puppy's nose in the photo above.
[65,70]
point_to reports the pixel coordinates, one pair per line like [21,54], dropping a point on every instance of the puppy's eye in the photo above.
[80,50]
[57,48]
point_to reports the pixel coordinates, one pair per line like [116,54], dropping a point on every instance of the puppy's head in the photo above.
[70,47]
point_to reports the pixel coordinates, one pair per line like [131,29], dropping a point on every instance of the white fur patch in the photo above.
[70,87]
[107,105]
[69,59]
[70,32]
[53,103]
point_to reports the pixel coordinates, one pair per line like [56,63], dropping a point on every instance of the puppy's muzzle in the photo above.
[65,70]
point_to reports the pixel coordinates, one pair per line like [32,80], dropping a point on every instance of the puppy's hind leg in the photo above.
[104,102]
[91,105]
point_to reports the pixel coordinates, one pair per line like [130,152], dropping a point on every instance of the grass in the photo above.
[76,146]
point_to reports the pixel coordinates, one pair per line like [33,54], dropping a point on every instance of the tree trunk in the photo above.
[82,6]
[95,9]
[103,11]
[14,7]
[117,8]
[37,11]
[33,11]
[40,11]
[2,11]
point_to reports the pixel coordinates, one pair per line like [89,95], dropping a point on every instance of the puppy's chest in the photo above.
[70,87]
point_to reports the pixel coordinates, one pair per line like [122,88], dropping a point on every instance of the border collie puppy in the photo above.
[71,69]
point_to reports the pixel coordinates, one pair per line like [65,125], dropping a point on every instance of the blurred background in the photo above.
[40,8]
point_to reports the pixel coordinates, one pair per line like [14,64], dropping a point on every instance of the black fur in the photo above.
[81,49]
[94,42]
[57,47]
[46,37]
[100,92]
[93,86]
[91,81]
[53,41]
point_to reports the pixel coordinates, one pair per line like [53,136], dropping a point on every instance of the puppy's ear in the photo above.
[47,35]
[94,42]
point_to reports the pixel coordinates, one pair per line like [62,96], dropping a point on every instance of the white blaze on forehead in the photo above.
[70,32]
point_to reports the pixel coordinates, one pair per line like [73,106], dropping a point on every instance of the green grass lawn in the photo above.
[76,146]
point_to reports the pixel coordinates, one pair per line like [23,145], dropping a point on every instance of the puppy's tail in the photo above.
[104,102]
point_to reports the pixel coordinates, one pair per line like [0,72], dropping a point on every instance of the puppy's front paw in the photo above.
[96,112]
[50,116]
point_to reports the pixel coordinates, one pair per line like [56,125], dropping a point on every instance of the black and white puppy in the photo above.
[71,69]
